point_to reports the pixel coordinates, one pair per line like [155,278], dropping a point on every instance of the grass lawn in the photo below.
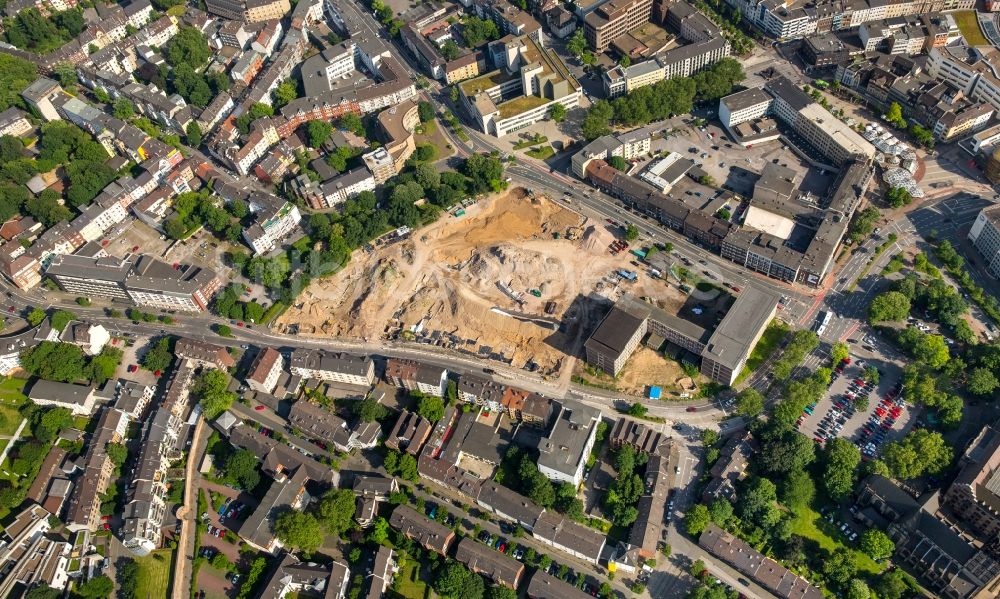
[12,397]
[541,153]
[810,524]
[769,341]
[154,574]
[532,141]
[408,583]
[968,24]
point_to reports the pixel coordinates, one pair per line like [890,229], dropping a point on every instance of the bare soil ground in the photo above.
[455,275]
[644,369]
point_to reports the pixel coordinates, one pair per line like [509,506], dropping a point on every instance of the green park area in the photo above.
[810,524]
[154,574]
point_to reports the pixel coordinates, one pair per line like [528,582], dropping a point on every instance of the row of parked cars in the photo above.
[501,544]
[874,432]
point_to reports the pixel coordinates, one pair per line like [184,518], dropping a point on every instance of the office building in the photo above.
[985,236]
[615,18]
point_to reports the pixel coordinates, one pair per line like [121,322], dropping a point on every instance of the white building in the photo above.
[334,367]
[270,230]
[564,450]
[985,235]
[628,145]
[265,370]
[28,557]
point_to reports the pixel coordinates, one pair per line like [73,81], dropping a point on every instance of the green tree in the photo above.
[318,132]
[352,122]
[55,361]
[858,589]
[299,530]
[890,306]
[838,352]
[898,197]
[841,566]
[476,31]
[211,390]
[61,318]
[618,163]
[840,459]
[749,403]
[370,410]
[98,587]
[876,544]
[797,490]
[500,592]
[597,121]
[697,519]
[921,451]
[892,584]
[450,50]
[631,232]
[425,110]
[895,115]
[242,469]
[193,134]
[379,533]
[336,511]
[431,408]
[36,316]
[104,365]
[188,47]
[159,356]
[577,44]
[456,581]
[285,93]
[557,112]
[124,109]
[44,591]
[982,381]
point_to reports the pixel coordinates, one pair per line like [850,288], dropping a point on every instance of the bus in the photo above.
[822,321]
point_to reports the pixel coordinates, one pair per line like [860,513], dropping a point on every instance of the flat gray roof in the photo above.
[733,339]
[745,99]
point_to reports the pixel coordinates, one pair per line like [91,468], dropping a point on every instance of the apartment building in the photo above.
[265,370]
[985,236]
[29,557]
[409,433]
[273,222]
[155,284]
[84,509]
[258,11]
[564,449]
[321,72]
[285,493]
[628,145]
[91,277]
[416,376]
[615,18]
[334,367]
[14,122]
[427,533]
[146,500]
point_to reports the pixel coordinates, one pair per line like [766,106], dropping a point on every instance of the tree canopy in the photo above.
[920,452]
[299,530]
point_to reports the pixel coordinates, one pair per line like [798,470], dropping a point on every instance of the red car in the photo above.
[846,360]
[239,324]
[135,248]
[157,373]
[692,409]
[259,408]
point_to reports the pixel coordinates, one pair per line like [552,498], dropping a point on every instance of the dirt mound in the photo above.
[518,268]
[596,238]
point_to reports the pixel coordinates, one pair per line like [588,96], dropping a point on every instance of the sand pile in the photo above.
[596,238]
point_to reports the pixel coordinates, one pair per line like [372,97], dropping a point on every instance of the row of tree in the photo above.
[662,100]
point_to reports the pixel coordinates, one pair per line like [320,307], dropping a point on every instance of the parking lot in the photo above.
[885,418]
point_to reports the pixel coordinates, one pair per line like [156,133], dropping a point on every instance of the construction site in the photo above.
[514,277]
